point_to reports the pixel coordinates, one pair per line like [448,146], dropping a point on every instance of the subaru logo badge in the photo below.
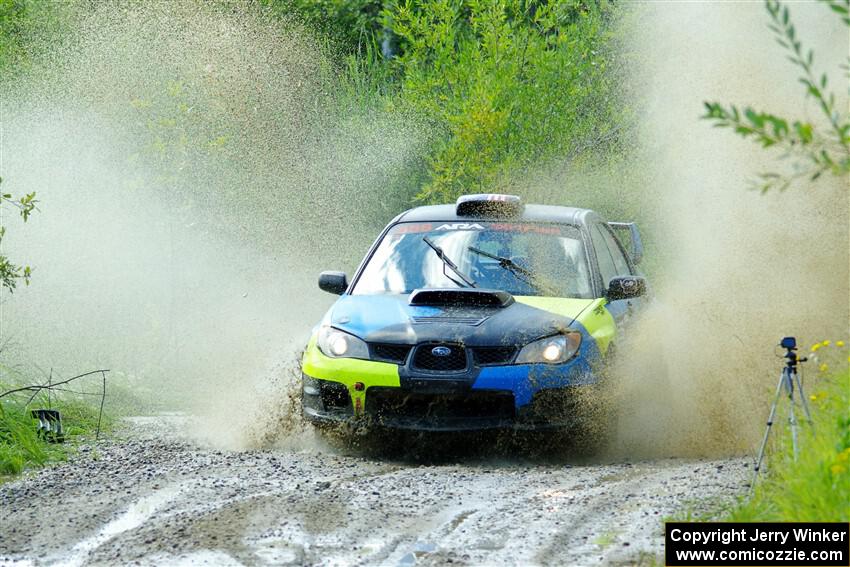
[441,351]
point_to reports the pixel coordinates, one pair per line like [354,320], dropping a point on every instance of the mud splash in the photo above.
[742,269]
[190,160]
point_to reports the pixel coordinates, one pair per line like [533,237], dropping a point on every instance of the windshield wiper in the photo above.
[447,263]
[522,274]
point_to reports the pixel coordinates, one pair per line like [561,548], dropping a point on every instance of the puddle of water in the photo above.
[205,557]
[138,512]
[420,549]
[275,551]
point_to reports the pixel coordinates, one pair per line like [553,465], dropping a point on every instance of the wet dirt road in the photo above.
[156,501]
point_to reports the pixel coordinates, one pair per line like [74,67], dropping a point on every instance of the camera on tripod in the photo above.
[790,382]
[790,346]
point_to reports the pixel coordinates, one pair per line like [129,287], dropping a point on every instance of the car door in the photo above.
[612,262]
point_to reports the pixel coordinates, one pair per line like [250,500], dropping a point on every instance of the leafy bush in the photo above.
[512,85]
[21,21]
[507,86]
[10,273]
[353,25]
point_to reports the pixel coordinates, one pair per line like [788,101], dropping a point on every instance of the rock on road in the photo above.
[156,499]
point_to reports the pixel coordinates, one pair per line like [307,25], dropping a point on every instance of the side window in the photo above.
[617,252]
[603,255]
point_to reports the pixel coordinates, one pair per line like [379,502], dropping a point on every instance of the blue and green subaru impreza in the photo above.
[487,314]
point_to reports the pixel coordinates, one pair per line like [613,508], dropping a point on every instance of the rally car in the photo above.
[486,314]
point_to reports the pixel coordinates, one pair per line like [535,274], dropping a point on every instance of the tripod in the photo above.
[787,381]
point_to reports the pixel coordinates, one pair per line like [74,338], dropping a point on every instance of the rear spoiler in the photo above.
[636,248]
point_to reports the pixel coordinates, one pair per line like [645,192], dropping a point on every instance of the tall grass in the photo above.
[816,486]
[20,445]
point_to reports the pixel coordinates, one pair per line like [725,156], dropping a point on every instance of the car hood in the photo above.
[391,319]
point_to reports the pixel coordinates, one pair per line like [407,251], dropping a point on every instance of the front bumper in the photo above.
[327,402]
[524,397]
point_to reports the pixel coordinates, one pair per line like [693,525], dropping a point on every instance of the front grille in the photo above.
[425,359]
[471,321]
[390,352]
[334,395]
[389,403]
[485,356]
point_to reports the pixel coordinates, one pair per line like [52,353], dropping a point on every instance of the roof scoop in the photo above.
[461,297]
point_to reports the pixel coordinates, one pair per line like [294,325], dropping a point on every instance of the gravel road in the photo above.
[155,498]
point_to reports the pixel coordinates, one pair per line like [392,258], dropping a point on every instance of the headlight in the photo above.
[551,350]
[337,344]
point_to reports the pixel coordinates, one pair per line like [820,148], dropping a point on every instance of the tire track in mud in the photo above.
[158,500]
[620,518]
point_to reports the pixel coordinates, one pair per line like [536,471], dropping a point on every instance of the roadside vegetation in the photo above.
[21,447]
[503,87]
[78,402]
[450,96]
[814,486]
[11,273]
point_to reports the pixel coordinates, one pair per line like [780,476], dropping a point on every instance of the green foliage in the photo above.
[18,19]
[13,19]
[11,273]
[506,86]
[20,445]
[818,149]
[21,21]
[840,7]
[816,487]
[495,88]
[512,85]
[353,25]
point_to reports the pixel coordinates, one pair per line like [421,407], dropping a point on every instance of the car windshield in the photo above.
[520,258]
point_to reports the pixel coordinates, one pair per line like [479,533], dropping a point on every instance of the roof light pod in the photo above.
[489,205]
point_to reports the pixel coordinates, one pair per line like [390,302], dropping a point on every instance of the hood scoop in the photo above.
[462,297]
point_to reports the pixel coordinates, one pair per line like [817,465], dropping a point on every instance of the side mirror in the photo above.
[626,287]
[333,282]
